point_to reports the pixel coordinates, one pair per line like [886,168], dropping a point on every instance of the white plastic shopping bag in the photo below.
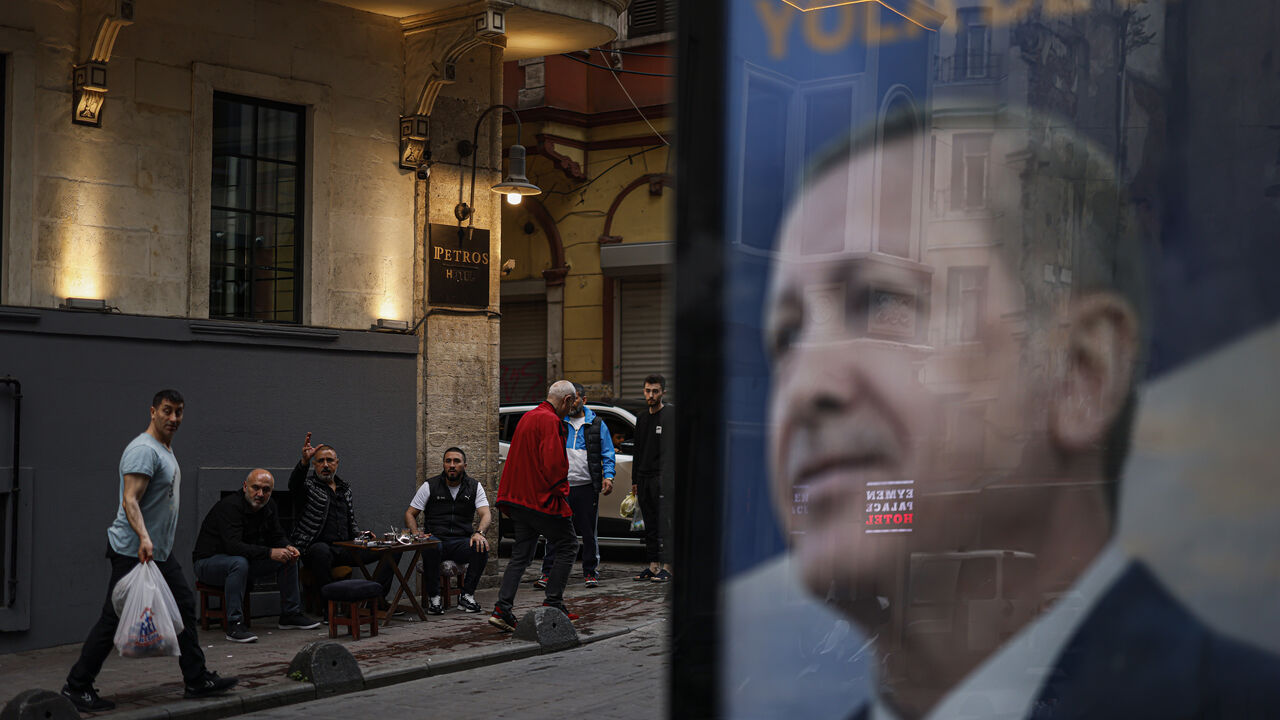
[149,618]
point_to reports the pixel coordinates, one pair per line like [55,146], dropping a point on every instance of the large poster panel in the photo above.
[999,344]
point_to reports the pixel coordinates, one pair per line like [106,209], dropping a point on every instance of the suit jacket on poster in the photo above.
[1141,654]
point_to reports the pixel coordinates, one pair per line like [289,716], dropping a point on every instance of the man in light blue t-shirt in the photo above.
[143,532]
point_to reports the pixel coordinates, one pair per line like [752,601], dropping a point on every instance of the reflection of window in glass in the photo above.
[2,166]
[828,117]
[968,435]
[1019,576]
[764,165]
[897,192]
[933,580]
[970,155]
[977,579]
[966,303]
[256,218]
[973,40]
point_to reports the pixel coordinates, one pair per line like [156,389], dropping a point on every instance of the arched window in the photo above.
[897,186]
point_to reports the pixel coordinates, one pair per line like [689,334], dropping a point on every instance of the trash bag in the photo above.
[628,507]
[637,521]
[149,618]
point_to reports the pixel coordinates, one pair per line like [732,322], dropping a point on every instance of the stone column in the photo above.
[458,368]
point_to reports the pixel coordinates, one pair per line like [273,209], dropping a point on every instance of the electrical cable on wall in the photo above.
[605,67]
[637,54]
[587,184]
[633,102]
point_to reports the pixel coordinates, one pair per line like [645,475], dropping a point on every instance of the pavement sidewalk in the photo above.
[406,649]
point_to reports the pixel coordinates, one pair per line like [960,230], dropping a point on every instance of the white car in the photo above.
[611,527]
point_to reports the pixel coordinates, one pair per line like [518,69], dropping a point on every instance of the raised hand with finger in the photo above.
[307,450]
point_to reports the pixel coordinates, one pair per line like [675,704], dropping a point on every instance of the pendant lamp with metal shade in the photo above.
[515,185]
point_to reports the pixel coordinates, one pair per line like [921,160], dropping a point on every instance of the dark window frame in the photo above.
[4,109]
[965,282]
[965,149]
[293,273]
[651,17]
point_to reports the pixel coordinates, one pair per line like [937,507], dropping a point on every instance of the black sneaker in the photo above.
[646,575]
[210,684]
[239,633]
[662,576]
[541,583]
[87,700]
[467,603]
[297,622]
[592,580]
[503,620]
[435,606]
[561,608]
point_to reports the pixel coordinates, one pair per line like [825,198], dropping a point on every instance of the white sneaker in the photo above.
[435,605]
[467,603]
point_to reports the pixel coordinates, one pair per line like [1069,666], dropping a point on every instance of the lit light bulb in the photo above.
[514,198]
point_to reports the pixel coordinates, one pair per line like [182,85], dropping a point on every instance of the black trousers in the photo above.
[321,558]
[649,494]
[584,501]
[101,640]
[460,551]
[528,524]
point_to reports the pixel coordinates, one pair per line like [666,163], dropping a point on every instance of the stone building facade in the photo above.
[236,199]
[592,255]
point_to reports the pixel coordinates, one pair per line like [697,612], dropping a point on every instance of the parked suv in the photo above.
[612,528]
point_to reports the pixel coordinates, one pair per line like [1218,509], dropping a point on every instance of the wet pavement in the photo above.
[406,649]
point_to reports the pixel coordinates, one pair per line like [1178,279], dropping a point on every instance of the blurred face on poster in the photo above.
[897,400]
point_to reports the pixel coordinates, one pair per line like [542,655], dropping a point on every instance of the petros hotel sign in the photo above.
[847,20]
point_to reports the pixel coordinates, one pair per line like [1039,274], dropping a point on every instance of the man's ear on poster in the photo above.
[1102,345]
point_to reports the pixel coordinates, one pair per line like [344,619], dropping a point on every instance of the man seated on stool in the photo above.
[447,503]
[324,513]
[241,539]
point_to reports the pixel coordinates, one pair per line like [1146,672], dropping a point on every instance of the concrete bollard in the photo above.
[328,665]
[548,627]
[39,705]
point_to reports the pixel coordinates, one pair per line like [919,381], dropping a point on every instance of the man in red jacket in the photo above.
[534,493]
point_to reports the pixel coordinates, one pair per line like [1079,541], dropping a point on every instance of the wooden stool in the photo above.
[311,600]
[219,613]
[449,571]
[352,596]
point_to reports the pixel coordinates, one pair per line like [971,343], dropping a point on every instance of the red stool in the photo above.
[451,575]
[207,613]
[357,598]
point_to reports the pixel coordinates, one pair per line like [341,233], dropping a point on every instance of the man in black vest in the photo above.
[447,503]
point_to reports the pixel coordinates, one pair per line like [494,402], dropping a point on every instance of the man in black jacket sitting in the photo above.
[241,539]
[325,513]
[448,502]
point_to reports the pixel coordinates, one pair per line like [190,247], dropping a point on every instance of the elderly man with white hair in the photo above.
[534,493]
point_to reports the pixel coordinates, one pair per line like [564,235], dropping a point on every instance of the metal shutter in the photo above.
[650,17]
[524,351]
[645,336]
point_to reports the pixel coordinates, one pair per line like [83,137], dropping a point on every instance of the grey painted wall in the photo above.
[252,392]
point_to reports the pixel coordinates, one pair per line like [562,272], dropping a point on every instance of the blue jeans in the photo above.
[233,572]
